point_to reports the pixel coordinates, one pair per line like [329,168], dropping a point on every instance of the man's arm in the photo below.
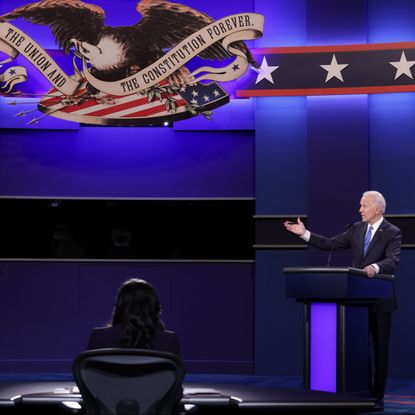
[341,241]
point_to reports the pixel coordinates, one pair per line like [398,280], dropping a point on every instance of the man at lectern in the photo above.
[376,247]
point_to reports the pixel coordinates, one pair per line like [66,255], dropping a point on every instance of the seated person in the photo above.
[135,322]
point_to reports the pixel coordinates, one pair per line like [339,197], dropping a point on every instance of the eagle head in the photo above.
[108,54]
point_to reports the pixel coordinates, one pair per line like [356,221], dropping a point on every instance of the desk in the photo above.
[219,396]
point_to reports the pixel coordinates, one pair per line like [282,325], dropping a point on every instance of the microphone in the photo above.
[345,228]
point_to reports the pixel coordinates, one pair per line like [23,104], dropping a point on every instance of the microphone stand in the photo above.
[346,228]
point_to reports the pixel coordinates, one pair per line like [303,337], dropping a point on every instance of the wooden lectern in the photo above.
[336,303]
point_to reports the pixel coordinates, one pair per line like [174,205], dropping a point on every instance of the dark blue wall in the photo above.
[48,310]
[281,180]
[392,149]
[338,168]
[126,162]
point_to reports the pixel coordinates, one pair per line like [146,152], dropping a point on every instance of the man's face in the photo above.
[369,210]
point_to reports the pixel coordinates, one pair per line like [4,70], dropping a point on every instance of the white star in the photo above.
[206,98]
[334,70]
[216,93]
[183,88]
[194,93]
[403,67]
[193,101]
[265,71]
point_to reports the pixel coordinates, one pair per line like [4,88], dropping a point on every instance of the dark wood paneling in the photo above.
[127,229]
[406,223]
[270,232]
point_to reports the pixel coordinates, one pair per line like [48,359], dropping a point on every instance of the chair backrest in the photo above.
[128,381]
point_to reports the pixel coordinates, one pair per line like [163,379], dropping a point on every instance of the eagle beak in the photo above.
[78,47]
[75,43]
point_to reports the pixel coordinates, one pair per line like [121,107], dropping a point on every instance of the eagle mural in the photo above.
[117,53]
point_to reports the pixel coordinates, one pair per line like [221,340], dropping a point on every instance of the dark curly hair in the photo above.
[137,309]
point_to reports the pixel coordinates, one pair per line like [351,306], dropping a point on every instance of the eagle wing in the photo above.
[166,24]
[68,19]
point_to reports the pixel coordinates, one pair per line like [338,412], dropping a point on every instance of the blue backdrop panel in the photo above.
[338,168]
[218,9]
[392,149]
[391,21]
[336,22]
[278,320]
[402,363]
[281,155]
[50,308]
[338,154]
[285,22]
[214,314]
[126,162]
[40,316]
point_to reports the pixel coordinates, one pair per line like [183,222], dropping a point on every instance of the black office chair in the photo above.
[128,381]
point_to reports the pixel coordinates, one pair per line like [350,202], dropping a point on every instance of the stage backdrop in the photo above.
[295,166]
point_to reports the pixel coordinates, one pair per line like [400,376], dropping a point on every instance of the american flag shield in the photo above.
[144,108]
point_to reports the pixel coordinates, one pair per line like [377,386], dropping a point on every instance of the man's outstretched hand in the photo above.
[295,227]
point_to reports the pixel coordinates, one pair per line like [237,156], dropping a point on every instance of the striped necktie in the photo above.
[368,238]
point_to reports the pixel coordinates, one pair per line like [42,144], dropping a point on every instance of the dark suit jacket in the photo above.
[384,250]
[109,337]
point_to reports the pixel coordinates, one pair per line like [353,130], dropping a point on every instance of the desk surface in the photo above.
[243,396]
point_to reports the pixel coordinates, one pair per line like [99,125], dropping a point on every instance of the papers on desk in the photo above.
[199,391]
[59,391]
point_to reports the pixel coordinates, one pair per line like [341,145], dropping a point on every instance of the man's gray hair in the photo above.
[378,199]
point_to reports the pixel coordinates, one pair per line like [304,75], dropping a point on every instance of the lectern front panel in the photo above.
[323,346]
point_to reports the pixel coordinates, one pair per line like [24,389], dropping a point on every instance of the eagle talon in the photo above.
[104,101]
[69,101]
[80,99]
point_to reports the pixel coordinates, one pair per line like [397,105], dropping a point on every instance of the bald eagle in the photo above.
[115,53]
